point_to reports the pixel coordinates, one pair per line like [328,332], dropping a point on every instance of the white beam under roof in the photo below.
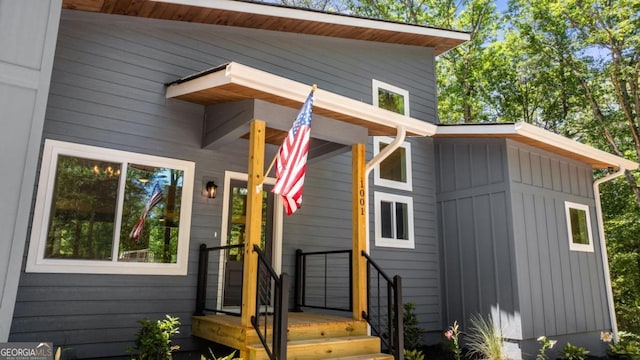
[540,138]
[234,82]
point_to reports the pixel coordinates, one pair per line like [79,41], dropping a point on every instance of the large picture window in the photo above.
[394,220]
[579,227]
[107,211]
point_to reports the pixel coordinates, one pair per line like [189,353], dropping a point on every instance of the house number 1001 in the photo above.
[361,199]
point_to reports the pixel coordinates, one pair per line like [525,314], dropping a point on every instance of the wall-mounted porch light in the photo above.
[210,189]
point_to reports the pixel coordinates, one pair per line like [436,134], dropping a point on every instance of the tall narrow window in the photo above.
[579,227]
[108,211]
[394,220]
[395,170]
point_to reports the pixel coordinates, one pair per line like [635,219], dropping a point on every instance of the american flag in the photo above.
[291,161]
[154,199]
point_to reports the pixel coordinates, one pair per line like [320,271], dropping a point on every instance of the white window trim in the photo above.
[378,197]
[376,85]
[35,259]
[573,246]
[377,180]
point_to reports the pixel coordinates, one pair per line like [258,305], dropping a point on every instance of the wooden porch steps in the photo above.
[379,356]
[309,336]
[325,348]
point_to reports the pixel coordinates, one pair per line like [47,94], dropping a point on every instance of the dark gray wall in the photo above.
[108,90]
[505,248]
[27,38]
[475,230]
[561,291]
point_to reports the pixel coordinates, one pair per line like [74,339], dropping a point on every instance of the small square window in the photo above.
[105,211]
[390,97]
[579,227]
[394,220]
[395,170]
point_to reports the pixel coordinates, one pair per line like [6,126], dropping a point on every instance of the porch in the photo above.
[318,324]
[242,102]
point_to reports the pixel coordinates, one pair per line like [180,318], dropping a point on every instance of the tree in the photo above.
[596,43]
[461,70]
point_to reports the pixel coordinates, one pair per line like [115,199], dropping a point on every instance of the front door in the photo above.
[236,206]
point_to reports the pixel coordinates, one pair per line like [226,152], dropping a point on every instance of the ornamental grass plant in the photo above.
[484,339]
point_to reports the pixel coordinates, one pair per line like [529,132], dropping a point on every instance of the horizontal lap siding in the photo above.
[418,267]
[561,291]
[475,233]
[108,90]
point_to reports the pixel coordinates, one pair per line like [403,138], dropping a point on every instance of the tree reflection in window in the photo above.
[85,211]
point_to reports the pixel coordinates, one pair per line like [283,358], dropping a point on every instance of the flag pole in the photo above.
[273,162]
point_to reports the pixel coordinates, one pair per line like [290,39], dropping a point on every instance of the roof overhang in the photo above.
[539,138]
[278,18]
[235,82]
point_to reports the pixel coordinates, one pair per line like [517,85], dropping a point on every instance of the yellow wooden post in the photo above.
[359,236]
[253,223]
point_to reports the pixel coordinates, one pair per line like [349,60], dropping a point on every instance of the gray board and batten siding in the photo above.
[26,60]
[561,291]
[107,90]
[505,244]
[474,225]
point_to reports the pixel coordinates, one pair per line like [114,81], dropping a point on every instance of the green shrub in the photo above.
[153,340]
[484,340]
[627,347]
[412,333]
[413,355]
[572,352]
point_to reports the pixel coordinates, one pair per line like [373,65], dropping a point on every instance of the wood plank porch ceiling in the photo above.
[278,18]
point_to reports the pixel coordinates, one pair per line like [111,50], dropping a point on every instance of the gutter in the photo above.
[401,134]
[603,248]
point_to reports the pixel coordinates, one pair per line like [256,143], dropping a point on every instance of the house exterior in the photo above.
[497,220]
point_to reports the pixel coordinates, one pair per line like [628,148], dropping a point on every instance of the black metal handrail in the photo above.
[203,270]
[386,322]
[271,286]
[300,297]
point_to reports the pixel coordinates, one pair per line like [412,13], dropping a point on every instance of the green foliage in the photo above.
[545,344]
[572,352]
[485,339]
[412,333]
[413,355]
[453,335]
[622,224]
[153,341]
[627,347]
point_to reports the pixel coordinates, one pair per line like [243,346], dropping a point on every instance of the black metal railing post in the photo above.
[299,279]
[399,334]
[201,292]
[283,320]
